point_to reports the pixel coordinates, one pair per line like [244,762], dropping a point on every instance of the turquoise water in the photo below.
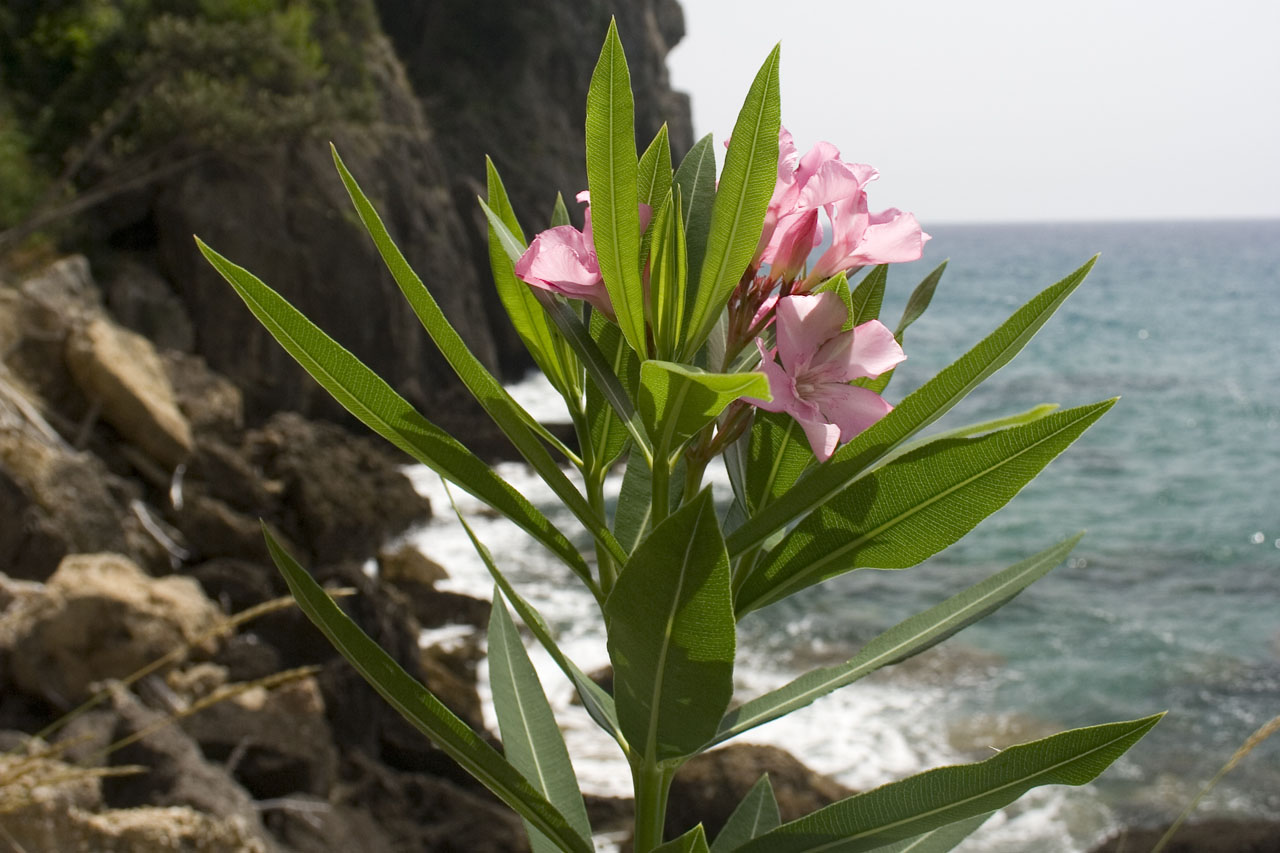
[1171,602]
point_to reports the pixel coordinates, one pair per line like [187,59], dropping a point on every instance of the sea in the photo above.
[1171,602]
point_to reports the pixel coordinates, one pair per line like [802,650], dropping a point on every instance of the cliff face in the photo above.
[455,81]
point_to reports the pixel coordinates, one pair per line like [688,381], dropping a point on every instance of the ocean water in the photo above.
[1171,602]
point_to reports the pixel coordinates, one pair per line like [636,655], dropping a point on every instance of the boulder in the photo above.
[1219,835]
[710,786]
[119,371]
[101,618]
[57,806]
[142,300]
[211,402]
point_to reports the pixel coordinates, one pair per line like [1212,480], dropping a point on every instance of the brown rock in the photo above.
[406,565]
[101,618]
[709,787]
[120,371]
[1209,836]
[211,403]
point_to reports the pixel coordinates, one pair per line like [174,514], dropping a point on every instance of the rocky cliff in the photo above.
[452,81]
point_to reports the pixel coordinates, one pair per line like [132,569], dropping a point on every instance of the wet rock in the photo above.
[1208,836]
[101,618]
[119,371]
[709,787]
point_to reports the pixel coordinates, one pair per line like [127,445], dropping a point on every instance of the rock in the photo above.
[342,496]
[53,806]
[276,742]
[102,618]
[177,772]
[1208,836]
[405,565]
[143,301]
[120,371]
[211,403]
[710,786]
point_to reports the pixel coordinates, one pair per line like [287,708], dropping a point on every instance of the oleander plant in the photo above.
[688,323]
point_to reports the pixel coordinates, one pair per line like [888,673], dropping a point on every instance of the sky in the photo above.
[1001,111]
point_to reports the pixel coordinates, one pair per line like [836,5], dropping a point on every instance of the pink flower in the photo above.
[819,360]
[820,180]
[563,260]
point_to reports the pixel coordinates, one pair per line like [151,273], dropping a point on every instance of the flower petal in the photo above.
[781,386]
[804,324]
[851,408]
[823,437]
[874,350]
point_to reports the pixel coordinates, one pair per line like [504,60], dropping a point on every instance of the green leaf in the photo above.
[916,305]
[737,216]
[543,341]
[595,699]
[598,367]
[671,635]
[754,816]
[919,300]
[1035,413]
[938,797]
[607,434]
[777,454]
[940,840]
[531,738]
[913,506]
[516,424]
[693,841]
[918,410]
[868,296]
[908,638]
[654,171]
[668,274]
[696,178]
[559,213]
[676,400]
[421,708]
[612,177]
[363,393]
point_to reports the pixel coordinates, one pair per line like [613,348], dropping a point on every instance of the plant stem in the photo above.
[652,785]
[595,498]
[661,486]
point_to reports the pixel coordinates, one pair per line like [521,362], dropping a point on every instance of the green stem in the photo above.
[652,785]
[595,498]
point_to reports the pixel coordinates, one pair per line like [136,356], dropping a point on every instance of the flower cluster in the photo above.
[819,358]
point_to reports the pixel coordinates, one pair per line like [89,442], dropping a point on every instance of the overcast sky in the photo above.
[998,110]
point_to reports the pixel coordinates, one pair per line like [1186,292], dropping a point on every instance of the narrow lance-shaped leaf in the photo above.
[653,182]
[938,797]
[668,274]
[559,213]
[671,636]
[531,738]
[910,637]
[676,400]
[612,170]
[363,393]
[914,506]
[421,708]
[543,342]
[940,840]
[868,296]
[916,305]
[607,434]
[753,817]
[696,178]
[515,423]
[921,408]
[737,215]
[777,454]
[693,841]
[598,703]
